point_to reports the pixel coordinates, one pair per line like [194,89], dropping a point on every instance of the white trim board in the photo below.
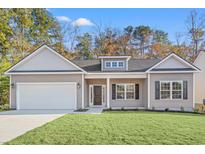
[36,52]
[117,76]
[83,91]
[167,72]
[114,57]
[10,81]
[37,73]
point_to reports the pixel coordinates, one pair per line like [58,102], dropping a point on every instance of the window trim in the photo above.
[117,66]
[106,64]
[123,64]
[91,94]
[171,89]
[125,91]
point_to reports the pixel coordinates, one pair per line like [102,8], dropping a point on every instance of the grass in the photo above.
[137,127]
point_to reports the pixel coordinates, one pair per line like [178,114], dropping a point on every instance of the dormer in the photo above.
[114,63]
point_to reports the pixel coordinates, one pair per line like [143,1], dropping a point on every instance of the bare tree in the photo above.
[70,33]
[178,37]
[196,26]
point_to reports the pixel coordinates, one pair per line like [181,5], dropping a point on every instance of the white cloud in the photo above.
[63,18]
[82,22]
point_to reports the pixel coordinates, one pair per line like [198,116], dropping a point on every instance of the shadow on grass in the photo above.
[153,112]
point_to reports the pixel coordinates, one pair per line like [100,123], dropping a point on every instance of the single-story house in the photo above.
[47,80]
[200,79]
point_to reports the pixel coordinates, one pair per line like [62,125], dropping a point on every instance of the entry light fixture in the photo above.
[78,85]
[12,85]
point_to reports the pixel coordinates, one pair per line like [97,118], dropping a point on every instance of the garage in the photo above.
[46,95]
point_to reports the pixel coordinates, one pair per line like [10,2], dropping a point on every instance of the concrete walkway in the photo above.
[17,122]
[95,110]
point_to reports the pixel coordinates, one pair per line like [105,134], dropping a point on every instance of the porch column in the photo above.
[108,92]
[148,91]
[83,91]
[194,88]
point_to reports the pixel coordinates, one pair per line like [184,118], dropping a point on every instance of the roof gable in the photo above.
[173,62]
[44,59]
[200,59]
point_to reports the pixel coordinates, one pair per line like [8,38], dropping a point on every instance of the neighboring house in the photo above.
[47,80]
[200,78]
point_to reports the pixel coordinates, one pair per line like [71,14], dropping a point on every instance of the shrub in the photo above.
[196,110]
[4,107]
[182,108]
[167,109]
[202,108]
[4,90]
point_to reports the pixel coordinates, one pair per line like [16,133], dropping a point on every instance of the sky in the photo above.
[171,21]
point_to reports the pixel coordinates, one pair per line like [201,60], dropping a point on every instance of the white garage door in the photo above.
[53,95]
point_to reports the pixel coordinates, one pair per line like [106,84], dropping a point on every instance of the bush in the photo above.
[182,108]
[196,110]
[4,90]
[167,109]
[202,108]
[4,107]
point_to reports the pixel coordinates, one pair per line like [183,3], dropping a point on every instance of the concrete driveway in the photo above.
[17,122]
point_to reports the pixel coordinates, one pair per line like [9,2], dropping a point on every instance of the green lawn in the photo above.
[122,127]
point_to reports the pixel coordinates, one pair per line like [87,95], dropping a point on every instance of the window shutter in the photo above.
[157,89]
[113,91]
[136,91]
[185,90]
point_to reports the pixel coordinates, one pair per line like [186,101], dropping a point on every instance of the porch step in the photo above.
[95,110]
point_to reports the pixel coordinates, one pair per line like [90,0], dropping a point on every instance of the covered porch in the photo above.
[116,91]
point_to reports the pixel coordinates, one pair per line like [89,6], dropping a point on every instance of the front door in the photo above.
[97,95]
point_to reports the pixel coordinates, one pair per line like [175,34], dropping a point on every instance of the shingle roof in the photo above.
[134,65]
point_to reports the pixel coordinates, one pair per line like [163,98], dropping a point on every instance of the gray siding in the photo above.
[46,78]
[171,104]
[145,93]
[45,60]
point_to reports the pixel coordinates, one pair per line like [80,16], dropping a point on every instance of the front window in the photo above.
[171,89]
[125,91]
[121,64]
[176,90]
[120,91]
[165,90]
[130,91]
[107,64]
[114,64]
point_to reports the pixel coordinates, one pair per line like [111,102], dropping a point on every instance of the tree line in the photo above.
[21,30]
